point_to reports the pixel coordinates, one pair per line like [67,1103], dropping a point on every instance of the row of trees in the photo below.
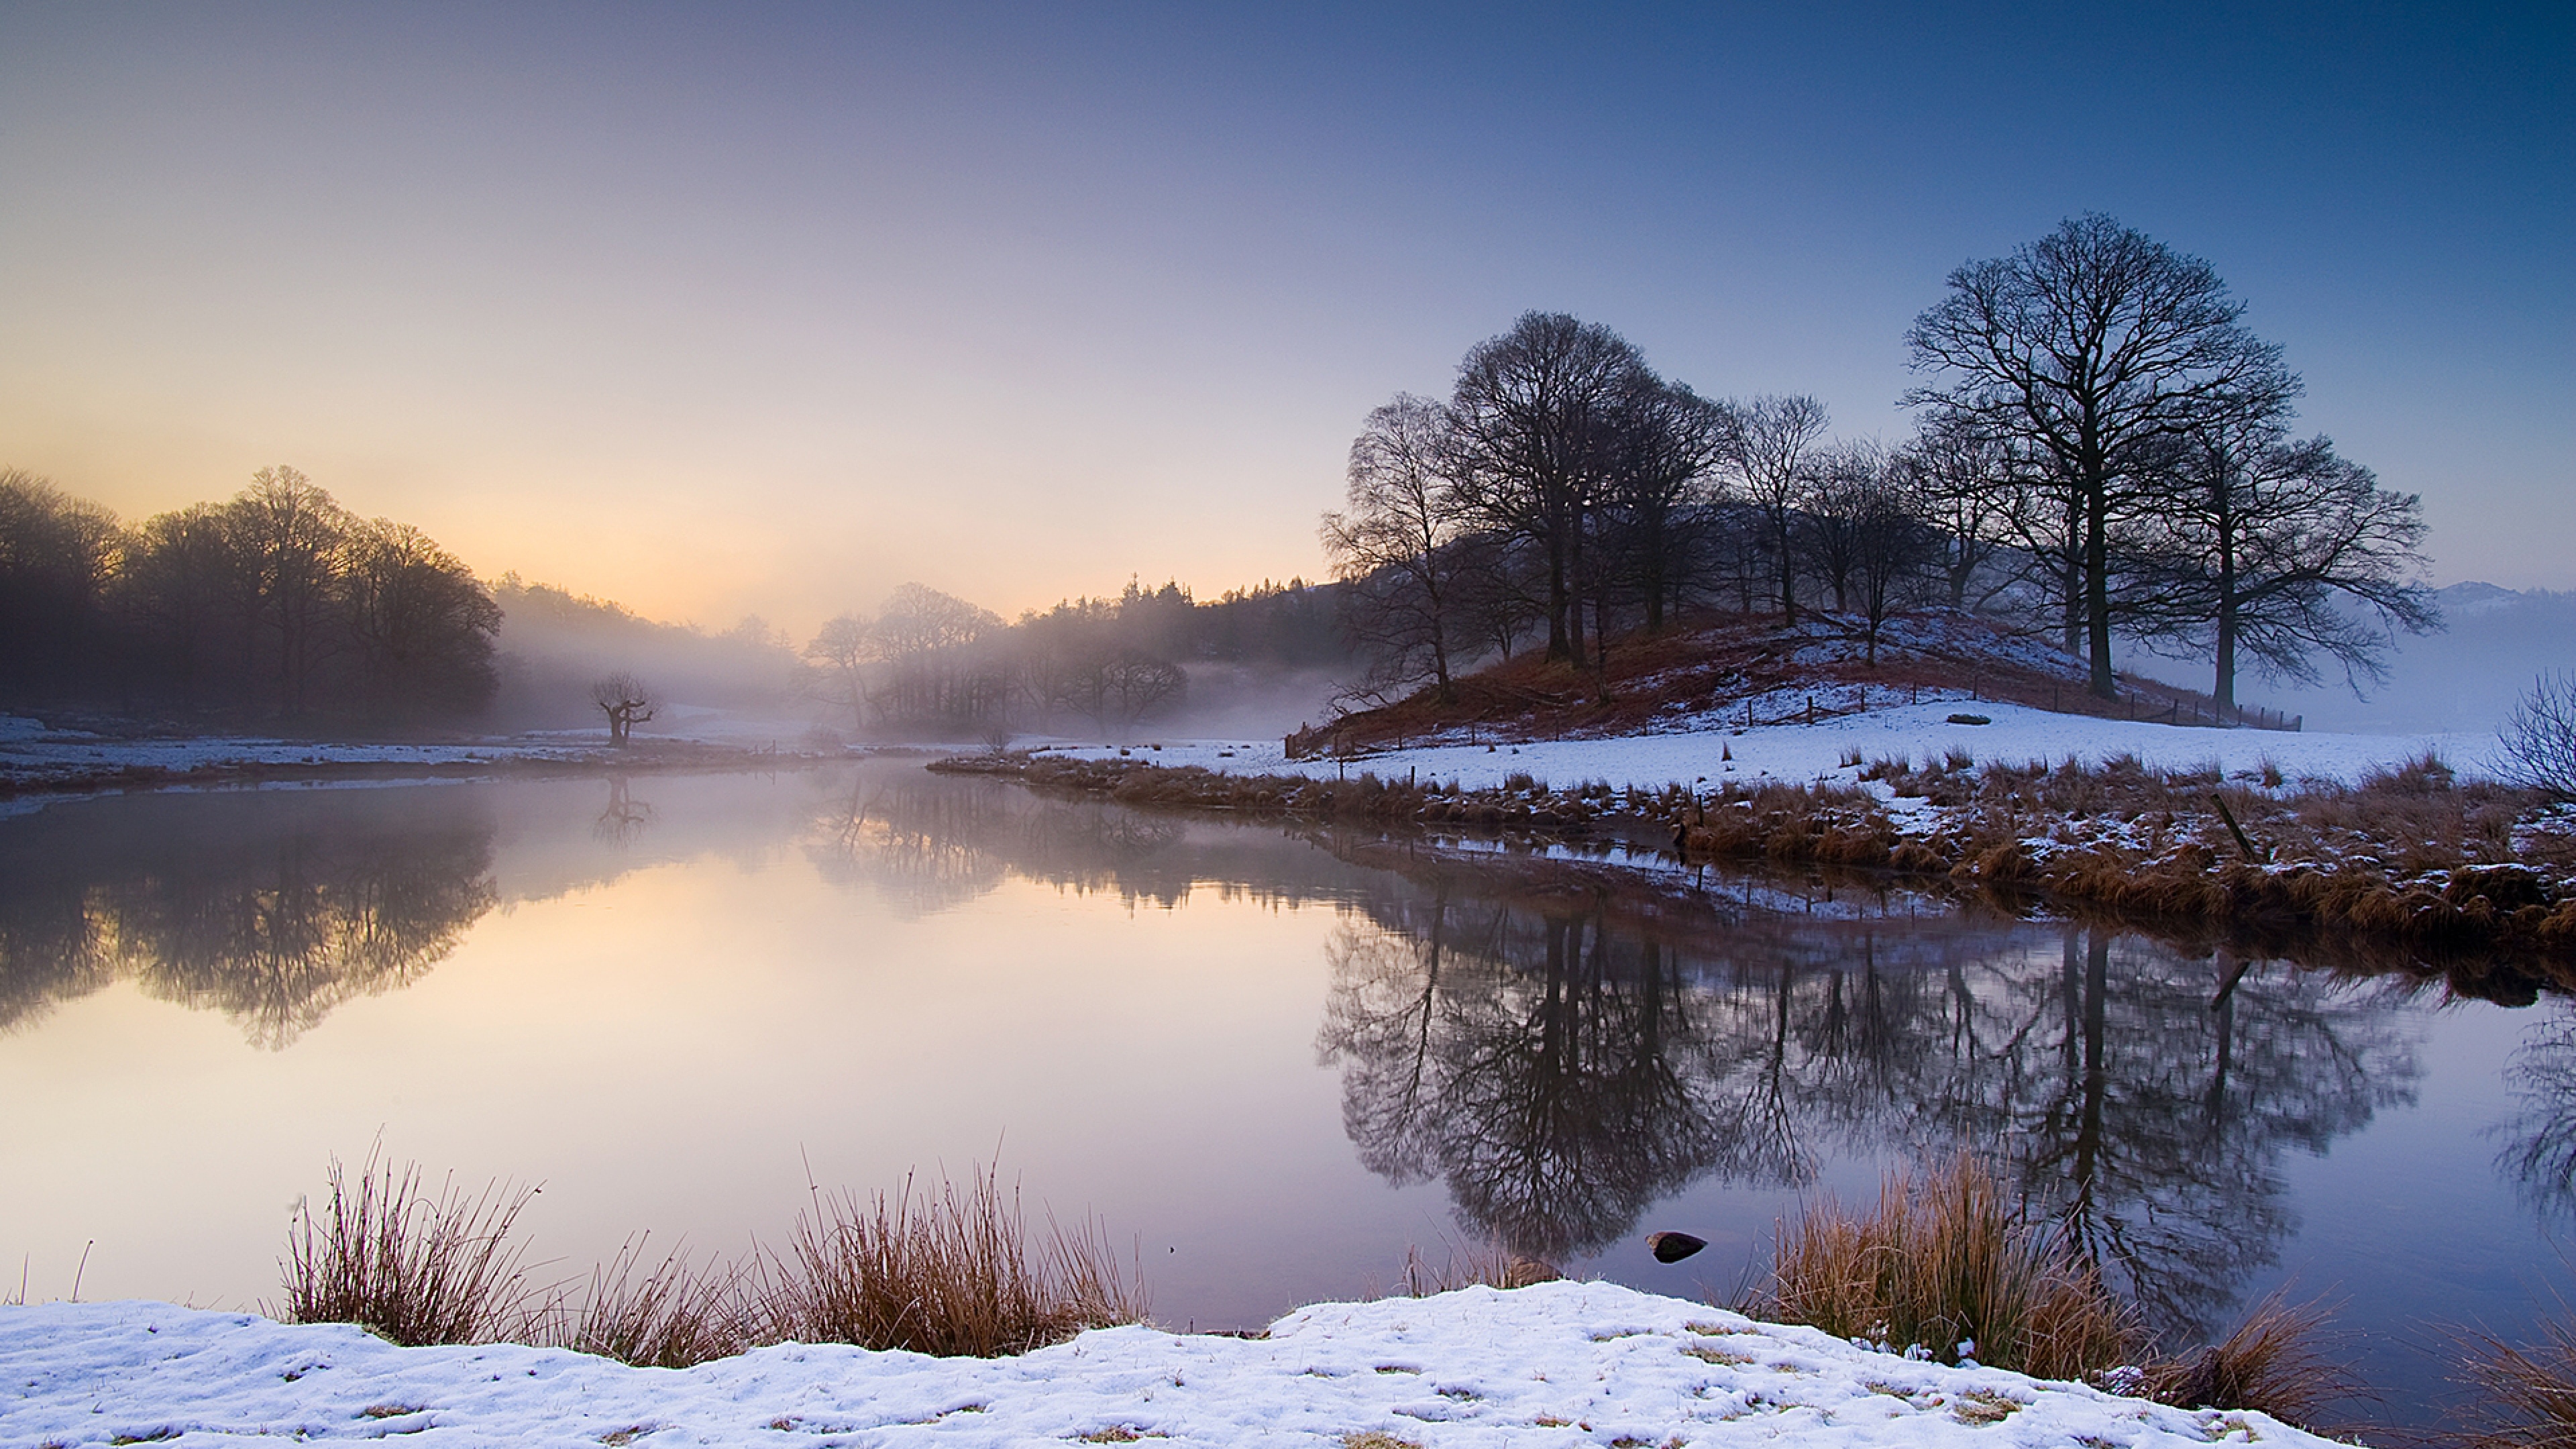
[2102,449]
[279,604]
[931,663]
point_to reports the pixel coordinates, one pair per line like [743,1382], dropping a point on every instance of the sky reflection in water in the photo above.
[1271,1059]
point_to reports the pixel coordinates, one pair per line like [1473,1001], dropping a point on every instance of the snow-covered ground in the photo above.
[30,753]
[1804,752]
[1557,1364]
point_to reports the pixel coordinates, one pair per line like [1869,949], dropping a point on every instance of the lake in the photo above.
[1272,1059]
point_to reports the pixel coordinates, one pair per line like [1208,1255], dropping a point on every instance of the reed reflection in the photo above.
[271,910]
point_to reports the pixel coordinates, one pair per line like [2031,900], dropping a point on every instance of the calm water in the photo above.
[1272,1059]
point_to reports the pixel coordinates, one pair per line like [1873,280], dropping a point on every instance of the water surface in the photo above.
[1272,1059]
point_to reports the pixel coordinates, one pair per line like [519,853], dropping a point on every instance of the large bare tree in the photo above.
[2101,347]
[1537,413]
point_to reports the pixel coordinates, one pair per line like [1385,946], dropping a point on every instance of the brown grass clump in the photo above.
[2271,1362]
[416,1269]
[1942,1261]
[2527,1392]
[948,1274]
[673,1315]
[1494,1265]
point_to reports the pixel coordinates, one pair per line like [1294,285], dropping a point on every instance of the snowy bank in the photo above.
[1555,1364]
[2015,735]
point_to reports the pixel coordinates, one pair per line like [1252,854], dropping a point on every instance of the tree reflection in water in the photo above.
[2539,1153]
[1561,1050]
[270,910]
[1561,1066]
[624,818]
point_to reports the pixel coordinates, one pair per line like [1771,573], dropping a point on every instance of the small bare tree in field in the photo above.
[626,701]
[2540,736]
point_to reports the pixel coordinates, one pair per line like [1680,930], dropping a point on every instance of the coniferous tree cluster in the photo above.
[277,606]
[2102,449]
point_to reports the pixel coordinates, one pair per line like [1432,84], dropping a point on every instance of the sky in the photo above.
[721,310]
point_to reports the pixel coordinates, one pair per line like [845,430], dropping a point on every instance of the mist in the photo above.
[744,681]
[2466,677]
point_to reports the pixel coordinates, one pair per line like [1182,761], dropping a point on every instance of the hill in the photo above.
[1751,670]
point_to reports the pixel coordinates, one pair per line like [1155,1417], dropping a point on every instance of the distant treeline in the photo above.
[932,664]
[278,605]
[2102,450]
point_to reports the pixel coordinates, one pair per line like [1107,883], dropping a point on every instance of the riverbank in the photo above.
[1557,1363]
[2390,845]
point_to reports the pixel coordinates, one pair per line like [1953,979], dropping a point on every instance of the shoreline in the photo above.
[212,763]
[2407,869]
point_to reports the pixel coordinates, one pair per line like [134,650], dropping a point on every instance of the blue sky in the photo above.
[730,309]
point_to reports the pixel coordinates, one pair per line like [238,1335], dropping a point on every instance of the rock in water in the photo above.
[1673,1247]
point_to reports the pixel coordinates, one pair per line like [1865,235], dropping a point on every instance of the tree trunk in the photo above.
[2225,690]
[1559,645]
[1788,578]
[2097,589]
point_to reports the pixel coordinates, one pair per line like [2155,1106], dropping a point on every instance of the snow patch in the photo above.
[1560,1363]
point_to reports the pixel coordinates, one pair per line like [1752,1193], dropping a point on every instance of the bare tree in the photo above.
[1967,486]
[1537,417]
[57,554]
[2099,346]
[1847,483]
[1114,688]
[1891,545]
[2274,541]
[841,650]
[1394,546]
[2540,736]
[421,623]
[627,702]
[289,531]
[1664,475]
[1771,452]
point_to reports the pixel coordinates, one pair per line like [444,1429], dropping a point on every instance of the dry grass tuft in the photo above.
[2527,1393]
[1494,1265]
[415,1269]
[674,1315]
[2271,1362]
[950,1274]
[1942,1261]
